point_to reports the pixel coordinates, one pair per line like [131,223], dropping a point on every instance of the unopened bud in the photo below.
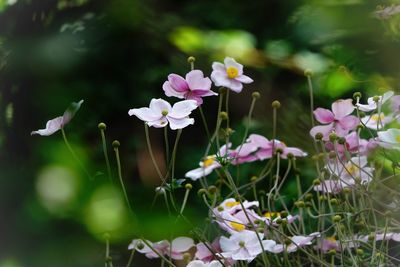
[332,252]
[201,192]
[342,140]
[223,115]
[308,72]
[332,154]
[360,252]
[187,257]
[140,246]
[256,95]
[346,190]
[102,126]
[357,95]
[299,204]
[337,218]
[253,179]
[376,98]
[319,136]
[322,198]
[334,202]
[212,189]
[191,59]
[188,186]
[317,182]
[116,144]
[333,137]
[284,214]
[308,196]
[276,104]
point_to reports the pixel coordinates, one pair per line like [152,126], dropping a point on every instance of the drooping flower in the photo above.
[229,75]
[374,104]
[389,139]
[338,120]
[198,263]
[230,205]
[160,113]
[56,124]
[244,245]
[194,87]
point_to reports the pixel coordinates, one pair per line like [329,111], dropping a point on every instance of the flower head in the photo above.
[229,75]
[56,124]
[160,113]
[373,103]
[389,139]
[198,263]
[193,87]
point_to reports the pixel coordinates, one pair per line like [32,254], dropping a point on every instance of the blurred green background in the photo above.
[116,55]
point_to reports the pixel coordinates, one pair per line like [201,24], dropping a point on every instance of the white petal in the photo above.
[228,245]
[181,244]
[244,79]
[182,109]
[161,123]
[52,126]
[145,114]
[159,105]
[196,263]
[216,66]
[230,62]
[179,123]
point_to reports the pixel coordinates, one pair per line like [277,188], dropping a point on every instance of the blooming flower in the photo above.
[372,104]
[338,120]
[56,124]
[198,263]
[389,139]
[160,113]
[179,246]
[203,252]
[297,241]
[194,86]
[353,144]
[244,245]
[328,244]
[229,75]
[376,121]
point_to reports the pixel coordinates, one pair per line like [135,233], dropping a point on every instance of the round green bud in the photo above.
[332,154]
[357,95]
[315,157]
[229,131]
[333,137]
[360,252]
[334,202]
[253,179]
[308,204]
[342,140]
[201,192]
[321,156]
[376,98]
[380,255]
[140,246]
[346,190]
[308,196]
[319,136]
[212,189]
[288,242]
[371,236]
[322,198]
[284,222]
[332,252]
[261,192]
[278,220]
[284,214]
[278,151]
[360,127]
[337,218]
[308,72]
[256,95]
[191,59]
[102,126]
[290,156]
[317,182]
[299,204]
[223,115]
[276,104]
[116,144]
[188,186]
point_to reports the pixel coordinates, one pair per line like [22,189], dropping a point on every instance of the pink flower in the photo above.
[179,246]
[244,245]
[354,144]
[229,75]
[194,87]
[160,113]
[203,250]
[56,124]
[197,263]
[328,244]
[338,120]
[298,241]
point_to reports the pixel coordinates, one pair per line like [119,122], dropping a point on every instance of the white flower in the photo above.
[198,263]
[389,139]
[160,113]
[372,104]
[229,75]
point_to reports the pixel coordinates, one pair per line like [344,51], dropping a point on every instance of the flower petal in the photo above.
[342,108]
[182,109]
[323,115]
[196,80]
[230,62]
[178,83]
[181,244]
[159,105]
[324,129]
[349,122]
[179,123]
[169,91]
[244,79]
[52,126]
[217,66]
[71,111]
[145,114]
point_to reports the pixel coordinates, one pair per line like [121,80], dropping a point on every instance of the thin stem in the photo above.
[120,177]
[203,118]
[146,130]
[103,139]
[184,200]
[130,261]
[166,144]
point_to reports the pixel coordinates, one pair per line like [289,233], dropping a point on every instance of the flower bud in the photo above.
[279,151]
[308,196]
[317,182]
[187,257]
[342,140]
[337,218]
[332,154]
[376,98]
[346,190]
[290,156]
[276,104]
[191,59]
[333,137]
[319,136]
[223,115]
[332,252]
[278,221]
[360,127]
[308,204]
[357,95]
[334,202]
[308,72]
[360,252]
[201,192]
[188,186]
[256,95]
[371,236]
[299,204]
[322,198]
[115,144]
[212,189]
[140,246]
[253,179]
[284,214]
[102,126]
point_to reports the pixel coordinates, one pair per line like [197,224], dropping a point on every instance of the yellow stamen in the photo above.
[331,238]
[270,215]
[208,161]
[232,72]
[376,117]
[231,204]
[237,226]
[351,169]
[398,139]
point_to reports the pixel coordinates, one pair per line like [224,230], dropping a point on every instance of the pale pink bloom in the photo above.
[198,263]
[204,251]
[395,106]
[354,144]
[56,124]
[338,120]
[194,87]
[327,244]
[160,113]
[333,186]
[229,75]
[376,121]
[244,245]
[298,241]
[238,221]
[297,152]
[179,246]
[382,236]
[373,105]
[389,139]
[270,218]
[209,164]
[162,248]
[232,206]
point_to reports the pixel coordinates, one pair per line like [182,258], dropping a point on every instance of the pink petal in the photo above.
[182,109]
[71,111]
[196,80]
[349,122]
[244,79]
[264,154]
[295,151]
[145,114]
[260,141]
[324,129]
[178,83]
[342,108]
[230,62]
[52,126]
[179,123]
[159,105]
[323,115]
[181,244]
[169,91]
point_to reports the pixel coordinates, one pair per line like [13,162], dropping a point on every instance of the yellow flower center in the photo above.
[398,139]
[377,117]
[351,169]
[270,215]
[232,72]
[231,204]
[164,112]
[208,161]
[331,239]
[237,226]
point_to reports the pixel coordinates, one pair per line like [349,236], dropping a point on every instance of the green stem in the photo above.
[103,139]
[120,177]
[146,130]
